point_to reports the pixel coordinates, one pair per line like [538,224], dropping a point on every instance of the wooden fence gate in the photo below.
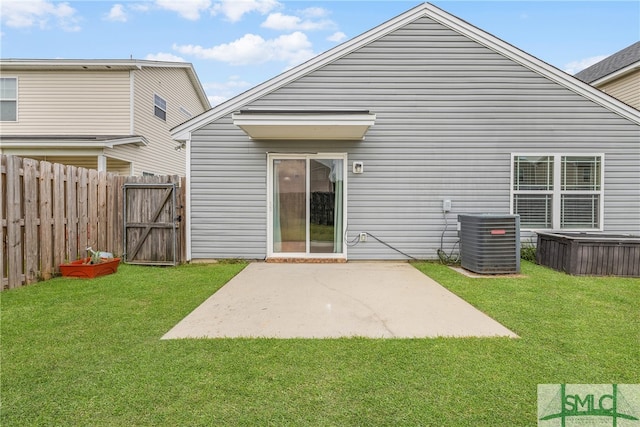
[50,213]
[151,223]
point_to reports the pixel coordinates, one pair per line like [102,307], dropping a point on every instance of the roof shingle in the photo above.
[611,64]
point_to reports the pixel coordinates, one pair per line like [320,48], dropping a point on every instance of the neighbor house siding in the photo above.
[160,156]
[71,103]
[626,89]
[449,114]
[88,162]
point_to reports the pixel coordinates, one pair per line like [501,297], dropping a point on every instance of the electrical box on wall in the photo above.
[446,205]
[358,167]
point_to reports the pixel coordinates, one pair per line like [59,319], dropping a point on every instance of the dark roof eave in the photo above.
[611,64]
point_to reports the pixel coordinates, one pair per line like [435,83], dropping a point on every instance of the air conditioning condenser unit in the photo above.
[490,243]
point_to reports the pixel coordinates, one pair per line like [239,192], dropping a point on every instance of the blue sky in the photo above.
[237,44]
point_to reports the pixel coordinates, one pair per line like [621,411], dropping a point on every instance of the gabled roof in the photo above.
[621,62]
[183,131]
[11,64]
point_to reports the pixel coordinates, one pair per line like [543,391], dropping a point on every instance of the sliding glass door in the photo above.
[306,205]
[289,205]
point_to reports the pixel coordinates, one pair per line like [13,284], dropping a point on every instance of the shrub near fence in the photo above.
[50,214]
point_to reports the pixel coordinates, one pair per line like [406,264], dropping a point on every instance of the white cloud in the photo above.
[162,56]
[216,99]
[117,14]
[579,65]
[30,13]
[139,7]
[235,9]
[291,48]
[278,21]
[188,9]
[220,92]
[314,12]
[337,37]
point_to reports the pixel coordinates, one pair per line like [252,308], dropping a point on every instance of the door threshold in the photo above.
[306,260]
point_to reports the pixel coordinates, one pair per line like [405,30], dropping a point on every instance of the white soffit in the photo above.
[304,124]
[80,142]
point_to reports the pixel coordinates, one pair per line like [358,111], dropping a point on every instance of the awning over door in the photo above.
[305,124]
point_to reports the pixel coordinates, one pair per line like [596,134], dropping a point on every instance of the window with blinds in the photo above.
[558,191]
[160,107]
[8,99]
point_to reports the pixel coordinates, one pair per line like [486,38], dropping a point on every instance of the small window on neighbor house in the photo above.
[186,112]
[148,174]
[8,99]
[160,107]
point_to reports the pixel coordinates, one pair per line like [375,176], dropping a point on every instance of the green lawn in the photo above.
[89,353]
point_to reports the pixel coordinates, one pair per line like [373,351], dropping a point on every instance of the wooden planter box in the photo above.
[591,254]
[82,268]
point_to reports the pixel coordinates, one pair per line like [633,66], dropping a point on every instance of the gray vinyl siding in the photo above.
[450,113]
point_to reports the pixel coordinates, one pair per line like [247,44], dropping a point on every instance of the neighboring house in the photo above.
[375,134]
[618,75]
[110,115]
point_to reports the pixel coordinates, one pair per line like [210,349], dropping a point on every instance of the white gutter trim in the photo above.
[617,74]
[62,143]
[131,102]
[187,203]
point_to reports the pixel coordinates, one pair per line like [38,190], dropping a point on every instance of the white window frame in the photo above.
[557,191]
[15,100]
[155,95]
[306,157]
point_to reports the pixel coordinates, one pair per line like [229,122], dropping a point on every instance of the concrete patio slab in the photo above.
[367,299]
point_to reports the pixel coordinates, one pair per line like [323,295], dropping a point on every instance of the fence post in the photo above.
[31,246]
[92,231]
[3,248]
[72,214]
[59,235]
[112,212]
[14,229]
[102,212]
[119,224]
[47,268]
[83,212]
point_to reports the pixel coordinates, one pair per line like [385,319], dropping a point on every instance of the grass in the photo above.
[322,233]
[78,352]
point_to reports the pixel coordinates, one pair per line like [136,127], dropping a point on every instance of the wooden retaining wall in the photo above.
[50,213]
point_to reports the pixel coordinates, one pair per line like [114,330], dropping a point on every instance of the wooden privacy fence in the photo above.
[50,213]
